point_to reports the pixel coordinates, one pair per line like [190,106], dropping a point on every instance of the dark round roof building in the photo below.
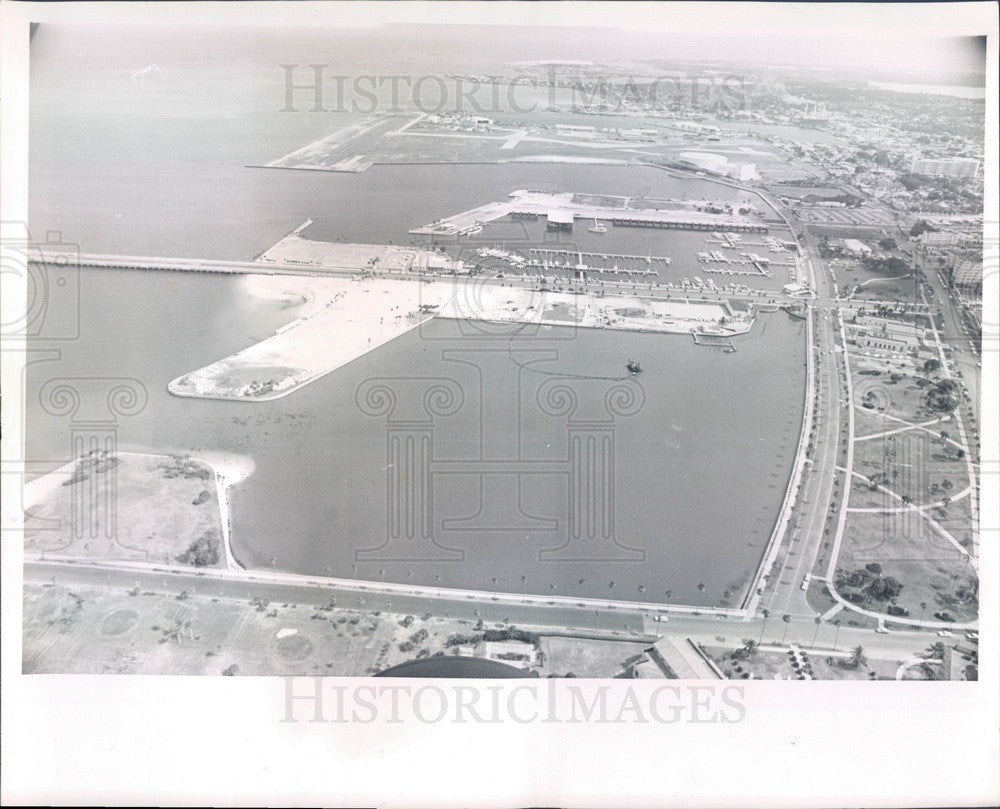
[455,667]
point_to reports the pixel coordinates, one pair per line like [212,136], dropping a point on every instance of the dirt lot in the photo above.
[588,659]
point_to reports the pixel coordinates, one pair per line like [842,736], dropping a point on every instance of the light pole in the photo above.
[766,614]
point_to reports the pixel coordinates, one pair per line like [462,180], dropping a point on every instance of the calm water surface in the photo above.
[699,469]
[119,165]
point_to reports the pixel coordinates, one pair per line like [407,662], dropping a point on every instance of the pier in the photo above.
[173,263]
[534,204]
[291,256]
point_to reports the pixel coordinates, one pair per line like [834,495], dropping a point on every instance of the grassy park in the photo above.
[128,507]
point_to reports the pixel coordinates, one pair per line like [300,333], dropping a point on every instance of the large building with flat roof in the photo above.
[946,167]
[967,271]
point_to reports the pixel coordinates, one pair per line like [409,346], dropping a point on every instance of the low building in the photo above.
[939,238]
[867,331]
[856,248]
[882,342]
[559,219]
[681,660]
[744,172]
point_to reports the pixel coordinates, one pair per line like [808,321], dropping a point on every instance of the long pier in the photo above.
[204,265]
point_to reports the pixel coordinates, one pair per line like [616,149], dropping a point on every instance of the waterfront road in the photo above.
[706,629]
[806,536]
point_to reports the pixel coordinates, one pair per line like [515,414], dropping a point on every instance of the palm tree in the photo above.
[858,658]
[749,648]
[788,620]
[836,637]
[766,614]
[923,606]
[817,620]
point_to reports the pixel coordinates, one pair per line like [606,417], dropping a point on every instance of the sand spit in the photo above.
[347,318]
[355,317]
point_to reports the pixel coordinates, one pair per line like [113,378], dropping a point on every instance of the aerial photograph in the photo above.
[481,352]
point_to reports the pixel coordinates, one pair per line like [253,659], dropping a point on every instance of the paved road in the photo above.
[955,333]
[703,629]
[806,537]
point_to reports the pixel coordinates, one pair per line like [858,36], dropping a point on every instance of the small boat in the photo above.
[633,367]
[597,227]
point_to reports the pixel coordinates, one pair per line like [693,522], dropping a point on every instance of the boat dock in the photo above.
[578,261]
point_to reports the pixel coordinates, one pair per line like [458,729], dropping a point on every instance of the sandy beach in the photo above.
[351,317]
[343,319]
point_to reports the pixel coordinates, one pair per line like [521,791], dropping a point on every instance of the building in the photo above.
[856,248]
[946,167]
[706,161]
[967,271]
[868,331]
[720,164]
[863,339]
[681,660]
[939,238]
[455,667]
[558,219]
